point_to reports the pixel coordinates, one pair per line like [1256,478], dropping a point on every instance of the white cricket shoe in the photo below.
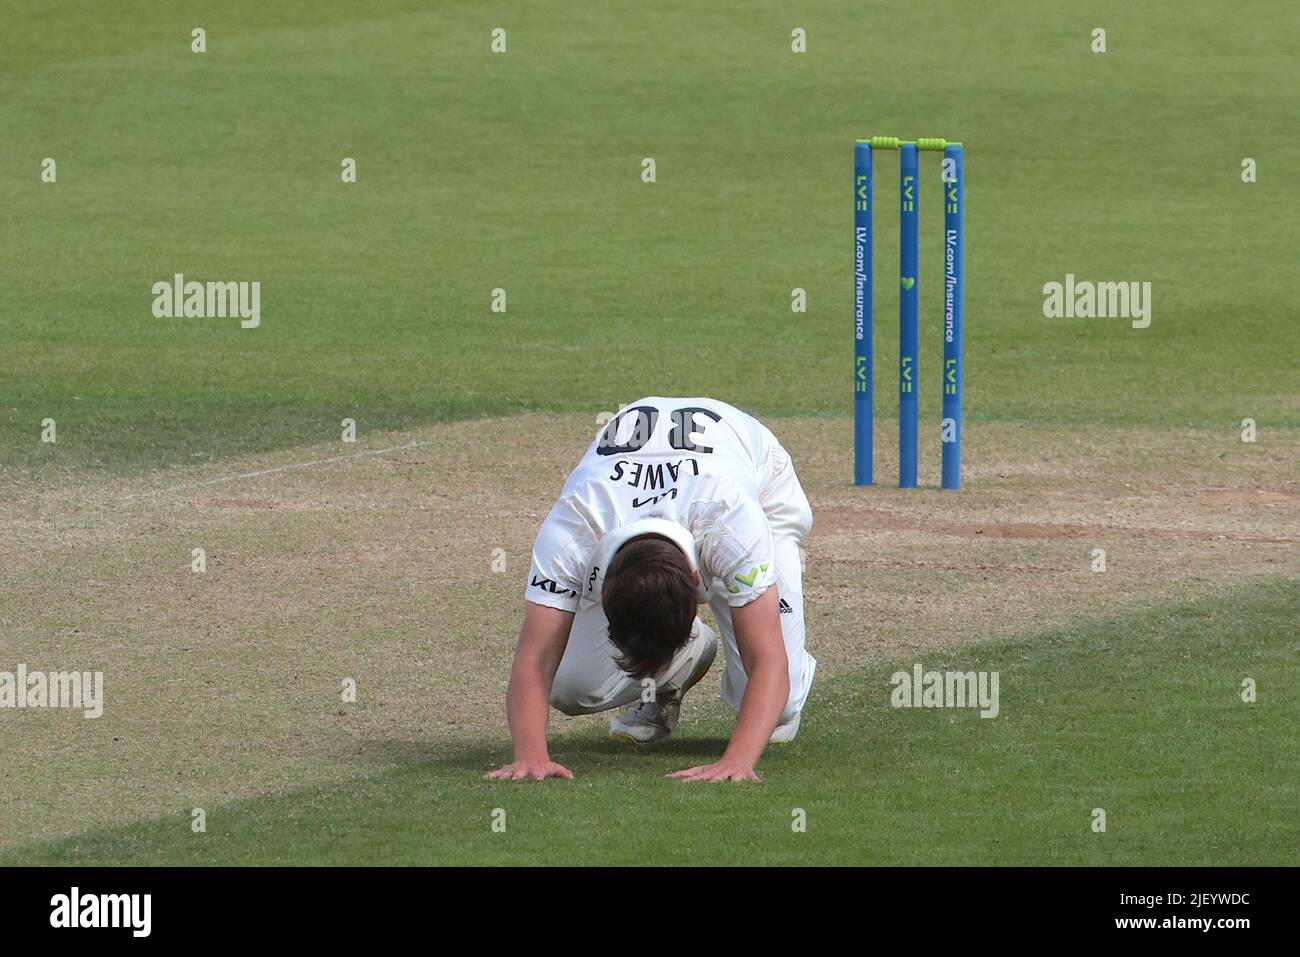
[785,733]
[647,722]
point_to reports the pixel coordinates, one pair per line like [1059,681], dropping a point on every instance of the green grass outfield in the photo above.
[1140,716]
[521,171]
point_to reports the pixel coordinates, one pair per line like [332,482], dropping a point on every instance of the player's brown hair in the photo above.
[649,599]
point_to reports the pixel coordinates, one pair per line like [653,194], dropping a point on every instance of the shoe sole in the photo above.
[627,738]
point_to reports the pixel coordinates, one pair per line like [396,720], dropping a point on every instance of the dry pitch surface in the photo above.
[379,567]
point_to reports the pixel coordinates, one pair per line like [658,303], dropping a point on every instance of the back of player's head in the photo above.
[649,600]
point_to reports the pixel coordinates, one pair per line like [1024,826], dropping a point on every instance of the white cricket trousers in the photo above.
[588,680]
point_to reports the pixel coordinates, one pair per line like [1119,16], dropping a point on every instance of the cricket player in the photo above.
[677,503]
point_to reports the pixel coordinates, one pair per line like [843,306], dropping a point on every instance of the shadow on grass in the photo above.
[428,803]
[587,751]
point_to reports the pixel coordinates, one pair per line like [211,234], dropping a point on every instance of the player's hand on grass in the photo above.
[723,770]
[537,770]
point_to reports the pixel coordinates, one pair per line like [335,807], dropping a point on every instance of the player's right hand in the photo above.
[537,770]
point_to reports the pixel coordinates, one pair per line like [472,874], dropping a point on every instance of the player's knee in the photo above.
[800,681]
[789,711]
[569,699]
[564,698]
[565,706]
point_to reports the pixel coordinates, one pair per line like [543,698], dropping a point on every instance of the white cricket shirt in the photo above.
[697,462]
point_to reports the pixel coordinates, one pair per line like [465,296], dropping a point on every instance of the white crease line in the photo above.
[279,468]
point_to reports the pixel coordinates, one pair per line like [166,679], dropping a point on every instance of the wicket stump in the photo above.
[950,426]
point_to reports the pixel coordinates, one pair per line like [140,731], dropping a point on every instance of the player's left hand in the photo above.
[723,770]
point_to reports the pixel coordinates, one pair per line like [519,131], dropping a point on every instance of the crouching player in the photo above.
[678,502]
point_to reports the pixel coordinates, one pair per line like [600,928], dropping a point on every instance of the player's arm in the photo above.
[542,640]
[762,650]
[738,547]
